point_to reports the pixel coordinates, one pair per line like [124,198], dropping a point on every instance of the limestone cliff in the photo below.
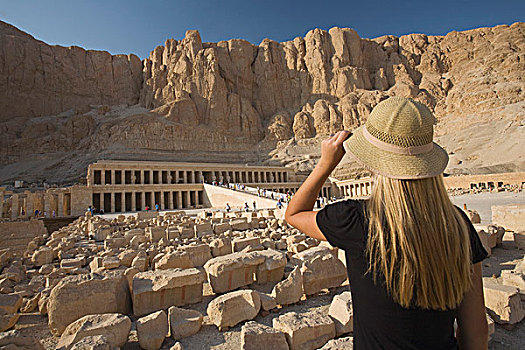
[235,101]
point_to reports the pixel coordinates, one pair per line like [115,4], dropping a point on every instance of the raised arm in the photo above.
[472,332]
[299,212]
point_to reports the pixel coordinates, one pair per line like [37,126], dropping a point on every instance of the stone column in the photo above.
[101,201]
[112,202]
[176,176]
[2,191]
[179,198]
[192,177]
[123,178]
[142,177]
[169,177]
[170,200]
[188,198]
[197,198]
[185,177]
[263,179]
[102,177]
[60,205]
[151,176]
[14,206]
[143,200]
[162,200]
[133,201]
[112,177]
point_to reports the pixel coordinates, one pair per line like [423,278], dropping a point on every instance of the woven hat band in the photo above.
[411,150]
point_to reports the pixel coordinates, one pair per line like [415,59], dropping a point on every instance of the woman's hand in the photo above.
[332,149]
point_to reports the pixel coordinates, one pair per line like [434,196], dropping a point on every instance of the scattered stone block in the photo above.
[157,290]
[203,229]
[306,331]
[491,327]
[199,253]
[346,343]
[290,290]
[514,278]
[184,323]
[10,303]
[114,243]
[92,342]
[221,228]
[232,271]
[519,239]
[140,262]
[115,327]
[342,312]
[14,340]
[503,302]
[156,233]
[7,321]
[256,336]
[176,259]
[229,309]
[272,269]
[240,224]
[43,256]
[267,302]
[221,246]
[77,296]
[152,330]
[511,216]
[322,270]
[110,262]
[240,244]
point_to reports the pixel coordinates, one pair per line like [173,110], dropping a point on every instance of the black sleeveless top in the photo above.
[380,322]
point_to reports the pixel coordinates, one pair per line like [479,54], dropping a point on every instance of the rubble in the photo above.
[305,331]
[115,327]
[183,322]
[152,330]
[341,311]
[256,336]
[157,290]
[503,302]
[229,309]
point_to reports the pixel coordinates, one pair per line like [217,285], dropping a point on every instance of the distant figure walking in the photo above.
[254,206]
[279,204]
[156,206]
[246,207]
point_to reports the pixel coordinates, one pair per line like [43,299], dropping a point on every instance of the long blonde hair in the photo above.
[419,241]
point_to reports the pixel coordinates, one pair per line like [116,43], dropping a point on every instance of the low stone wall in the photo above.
[511,216]
[16,235]
[217,197]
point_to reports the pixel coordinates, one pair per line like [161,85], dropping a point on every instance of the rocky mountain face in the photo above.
[235,101]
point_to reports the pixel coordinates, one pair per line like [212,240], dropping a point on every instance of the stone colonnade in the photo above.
[355,188]
[137,199]
[48,203]
[169,177]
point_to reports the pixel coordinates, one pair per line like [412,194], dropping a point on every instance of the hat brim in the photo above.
[395,165]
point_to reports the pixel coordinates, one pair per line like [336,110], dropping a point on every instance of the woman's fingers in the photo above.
[341,136]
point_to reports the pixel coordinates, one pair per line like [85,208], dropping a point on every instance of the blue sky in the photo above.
[133,26]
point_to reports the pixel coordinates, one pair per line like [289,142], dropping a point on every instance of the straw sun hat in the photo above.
[396,141]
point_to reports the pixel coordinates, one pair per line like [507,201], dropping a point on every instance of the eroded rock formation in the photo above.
[233,96]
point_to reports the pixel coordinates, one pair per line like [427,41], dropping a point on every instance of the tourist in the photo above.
[254,206]
[246,207]
[53,214]
[36,213]
[156,207]
[147,208]
[228,208]
[413,258]
[279,204]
